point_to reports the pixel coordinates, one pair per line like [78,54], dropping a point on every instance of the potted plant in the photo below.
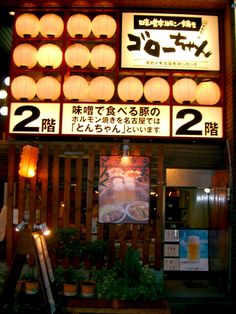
[31,281]
[68,278]
[128,280]
[88,285]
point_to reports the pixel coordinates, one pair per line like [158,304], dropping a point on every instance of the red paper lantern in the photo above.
[28,162]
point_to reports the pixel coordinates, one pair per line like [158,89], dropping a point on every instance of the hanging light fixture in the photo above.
[28,161]
[27,25]
[130,89]
[25,56]
[101,88]
[76,88]
[208,93]
[48,88]
[49,56]
[77,56]
[51,25]
[79,25]
[102,57]
[23,87]
[103,26]
[156,90]
[184,90]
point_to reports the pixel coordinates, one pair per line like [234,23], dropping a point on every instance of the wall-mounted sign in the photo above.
[34,118]
[124,189]
[116,119]
[170,41]
[197,121]
[103,119]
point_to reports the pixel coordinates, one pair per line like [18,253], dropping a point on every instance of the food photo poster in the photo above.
[124,189]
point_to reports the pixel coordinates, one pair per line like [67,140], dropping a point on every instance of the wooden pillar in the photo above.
[55,189]
[89,199]
[159,215]
[10,201]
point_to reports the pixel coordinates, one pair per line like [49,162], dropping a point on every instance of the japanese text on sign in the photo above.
[172,42]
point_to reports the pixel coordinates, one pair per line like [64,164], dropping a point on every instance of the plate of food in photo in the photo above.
[138,210]
[111,213]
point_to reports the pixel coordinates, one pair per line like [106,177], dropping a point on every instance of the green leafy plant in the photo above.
[128,280]
[69,275]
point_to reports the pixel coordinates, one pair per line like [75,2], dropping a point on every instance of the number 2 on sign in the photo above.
[185,128]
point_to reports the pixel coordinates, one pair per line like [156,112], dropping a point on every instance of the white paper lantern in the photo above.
[103,57]
[101,88]
[25,55]
[103,26]
[76,87]
[51,25]
[208,93]
[49,56]
[77,55]
[23,87]
[130,89]
[184,90]
[156,89]
[48,88]
[27,25]
[79,25]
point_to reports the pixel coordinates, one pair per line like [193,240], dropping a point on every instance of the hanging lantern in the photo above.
[27,25]
[101,88]
[76,88]
[103,26]
[103,57]
[208,93]
[79,25]
[28,161]
[130,89]
[23,87]
[77,56]
[184,90]
[25,56]
[156,90]
[51,25]
[48,88]
[49,56]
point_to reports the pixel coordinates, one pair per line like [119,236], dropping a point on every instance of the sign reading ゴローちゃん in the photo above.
[170,41]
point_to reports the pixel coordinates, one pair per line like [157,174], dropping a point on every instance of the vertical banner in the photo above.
[124,189]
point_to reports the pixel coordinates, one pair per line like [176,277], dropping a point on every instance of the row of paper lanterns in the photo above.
[129,89]
[49,55]
[52,25]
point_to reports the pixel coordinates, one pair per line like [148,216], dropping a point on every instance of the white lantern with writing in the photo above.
[79,25]
[77,56]
[51,25]
[27,25]
[103,57]
[76,88]
[49,56]
[103,26]
[101,88]
[184,90]
[156,90]
[130,89]
[25,56]
[208,93]
[48,88]
[23,87]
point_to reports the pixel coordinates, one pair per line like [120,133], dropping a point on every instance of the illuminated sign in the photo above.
[115,119]
[102,119]
[170,41]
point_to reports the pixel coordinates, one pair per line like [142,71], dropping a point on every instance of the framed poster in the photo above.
[171,250]
[193,250]
[171,263]
[171,235]
[124,189]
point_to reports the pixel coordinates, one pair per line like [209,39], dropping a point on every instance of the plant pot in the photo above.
[70,289]
[31,287]
[87,288]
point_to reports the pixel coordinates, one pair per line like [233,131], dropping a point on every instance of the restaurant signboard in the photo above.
[170,41]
